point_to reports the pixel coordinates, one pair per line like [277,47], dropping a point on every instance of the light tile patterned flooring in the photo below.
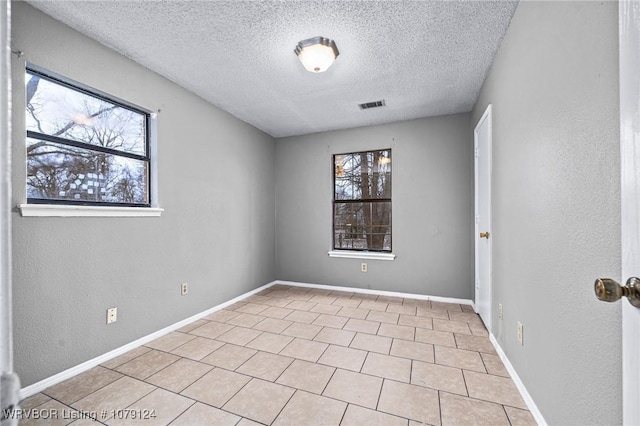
[301,356]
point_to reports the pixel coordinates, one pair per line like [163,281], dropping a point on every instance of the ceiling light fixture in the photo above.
[317,53]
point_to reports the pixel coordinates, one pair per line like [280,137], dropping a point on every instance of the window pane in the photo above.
[57,110]
[61,172]
[362,226]
[363,175]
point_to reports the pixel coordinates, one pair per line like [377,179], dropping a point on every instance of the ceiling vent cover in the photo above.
[374,104]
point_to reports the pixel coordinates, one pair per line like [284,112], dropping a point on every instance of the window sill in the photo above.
[362,255]
[53,210]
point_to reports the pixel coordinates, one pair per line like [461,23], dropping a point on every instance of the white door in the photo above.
[629,20]
[482,146]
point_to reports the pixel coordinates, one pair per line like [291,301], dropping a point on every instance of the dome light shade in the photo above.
[317,53]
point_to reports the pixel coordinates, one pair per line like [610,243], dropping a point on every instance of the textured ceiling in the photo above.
[425,58]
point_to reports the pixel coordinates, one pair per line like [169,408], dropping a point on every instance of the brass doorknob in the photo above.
[609,290]
[484,235]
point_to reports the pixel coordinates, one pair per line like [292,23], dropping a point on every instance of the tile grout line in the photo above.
[218,408]
[284,406]
[143,396]
[344,414]
[380,394]
[335,369]
[195,401]
[464,380]
[507,414]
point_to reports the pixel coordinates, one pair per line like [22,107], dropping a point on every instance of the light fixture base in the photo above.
[317,53]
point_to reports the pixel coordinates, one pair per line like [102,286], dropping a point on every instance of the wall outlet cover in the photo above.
[112,315]
[520,333]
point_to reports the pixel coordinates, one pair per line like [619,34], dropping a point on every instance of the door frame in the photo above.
[6,339]
[488,117]
[629,33]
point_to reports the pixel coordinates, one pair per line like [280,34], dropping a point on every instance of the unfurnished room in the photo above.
[320,212]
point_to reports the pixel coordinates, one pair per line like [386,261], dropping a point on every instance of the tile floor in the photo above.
[301,356]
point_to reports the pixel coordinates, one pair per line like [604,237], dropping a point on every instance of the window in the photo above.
[84,148]
[362,201]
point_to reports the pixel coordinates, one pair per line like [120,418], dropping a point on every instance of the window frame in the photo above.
[57,207]
[367,253]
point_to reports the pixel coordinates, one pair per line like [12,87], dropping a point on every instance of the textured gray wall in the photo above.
[432,207]
[216,184]
[556,205]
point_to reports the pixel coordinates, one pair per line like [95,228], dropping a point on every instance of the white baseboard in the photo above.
[87,365]
[533,408]
[379,292]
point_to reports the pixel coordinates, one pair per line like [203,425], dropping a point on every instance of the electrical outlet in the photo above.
[112,315]
[500,311]
[363,267]
[520,333]
[184,289]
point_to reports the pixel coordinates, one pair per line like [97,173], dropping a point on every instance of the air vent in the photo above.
[374,104]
